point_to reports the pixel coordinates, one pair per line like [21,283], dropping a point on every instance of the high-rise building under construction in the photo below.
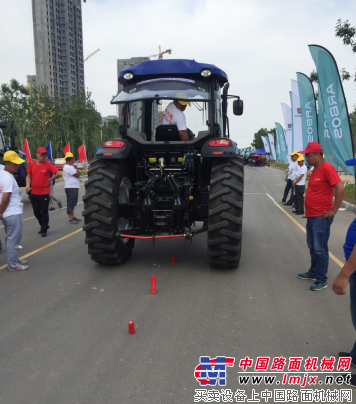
[58,35]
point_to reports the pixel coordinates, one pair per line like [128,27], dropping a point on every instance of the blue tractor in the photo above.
[157,179]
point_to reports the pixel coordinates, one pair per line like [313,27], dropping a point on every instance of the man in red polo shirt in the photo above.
[38,173]
[320,212]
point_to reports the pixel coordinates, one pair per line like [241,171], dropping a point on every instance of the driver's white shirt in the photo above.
[173,116]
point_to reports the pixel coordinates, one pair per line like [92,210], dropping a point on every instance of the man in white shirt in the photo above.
[291,175]
[173,115]
[299,184]
[11,210]
[72,183]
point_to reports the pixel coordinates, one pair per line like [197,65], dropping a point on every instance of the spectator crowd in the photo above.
[40,179]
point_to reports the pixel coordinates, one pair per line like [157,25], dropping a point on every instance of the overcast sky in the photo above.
[260,44]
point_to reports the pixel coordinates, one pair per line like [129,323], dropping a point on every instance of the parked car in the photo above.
[80,164]
[59,163]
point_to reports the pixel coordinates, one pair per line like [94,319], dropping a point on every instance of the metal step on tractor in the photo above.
[156,180]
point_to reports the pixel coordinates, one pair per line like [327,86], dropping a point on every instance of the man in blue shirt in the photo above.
[348,275]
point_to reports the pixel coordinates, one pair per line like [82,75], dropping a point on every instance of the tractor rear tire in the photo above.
[107,183]
[225,213]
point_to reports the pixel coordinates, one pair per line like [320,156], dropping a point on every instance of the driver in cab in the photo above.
[173,115]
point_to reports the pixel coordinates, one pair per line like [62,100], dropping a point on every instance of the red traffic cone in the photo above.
[153,285]
[173,260]
[131,327]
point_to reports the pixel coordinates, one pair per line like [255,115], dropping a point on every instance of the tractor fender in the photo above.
[218,151]
[116,153]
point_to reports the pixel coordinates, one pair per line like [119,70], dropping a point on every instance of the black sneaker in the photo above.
[288,204]
[346,355]
[73,221]
[299,213]
[59,204]
[78,220]
[294,211]
[44,234]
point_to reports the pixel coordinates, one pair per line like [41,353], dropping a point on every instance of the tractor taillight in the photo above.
[114,143]
[219,142]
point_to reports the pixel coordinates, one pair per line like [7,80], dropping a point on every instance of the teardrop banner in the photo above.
[271,145]
[308,109]
[335,108]
[281,142]
[297,117]
[287,113]
[324,134]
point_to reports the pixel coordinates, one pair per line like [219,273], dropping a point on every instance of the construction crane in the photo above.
[160,54]
[91,55]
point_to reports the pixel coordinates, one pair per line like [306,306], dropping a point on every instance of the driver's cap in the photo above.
[182,94]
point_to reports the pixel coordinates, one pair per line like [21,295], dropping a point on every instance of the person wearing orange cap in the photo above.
[173,115]
[11,210]
[38,181]
[320,212]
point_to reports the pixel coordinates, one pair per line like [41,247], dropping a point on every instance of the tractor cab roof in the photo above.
[172,68]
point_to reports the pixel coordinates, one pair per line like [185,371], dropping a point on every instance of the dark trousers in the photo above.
[40,209]
[318,233]
[287,189]
[299,197]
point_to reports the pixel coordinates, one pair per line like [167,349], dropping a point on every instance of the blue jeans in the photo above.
[318,233]
[352,281]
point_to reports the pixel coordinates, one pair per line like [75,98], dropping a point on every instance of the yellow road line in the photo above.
[52,211]
[331,255]
[46,246]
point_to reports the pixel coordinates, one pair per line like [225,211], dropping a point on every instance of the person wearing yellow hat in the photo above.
[11,210]
[38,181]
[71,178]
[299,185]
[173,114]
[292,171]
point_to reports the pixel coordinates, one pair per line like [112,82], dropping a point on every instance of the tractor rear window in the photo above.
[169,88]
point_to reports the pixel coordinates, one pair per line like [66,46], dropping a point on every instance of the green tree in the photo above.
[14,105]
[347,33]
[257,141]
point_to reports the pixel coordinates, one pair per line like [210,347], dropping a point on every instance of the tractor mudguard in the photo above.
[218,151]
[116,153]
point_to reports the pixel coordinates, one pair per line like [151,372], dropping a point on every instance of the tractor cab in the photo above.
[151,86]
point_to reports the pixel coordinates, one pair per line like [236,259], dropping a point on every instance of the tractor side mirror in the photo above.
[238,107]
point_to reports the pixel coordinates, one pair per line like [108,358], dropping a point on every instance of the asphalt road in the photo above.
[63,323]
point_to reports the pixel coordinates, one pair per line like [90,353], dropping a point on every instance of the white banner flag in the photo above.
[287,114]
[265,144]
[297,118]
[273,149]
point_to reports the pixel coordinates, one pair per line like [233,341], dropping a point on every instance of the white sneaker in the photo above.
[20,247]
[19,268]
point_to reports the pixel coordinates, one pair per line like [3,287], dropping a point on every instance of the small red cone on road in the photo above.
[131,327]
[153,285]
[194,224]
[173,260]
